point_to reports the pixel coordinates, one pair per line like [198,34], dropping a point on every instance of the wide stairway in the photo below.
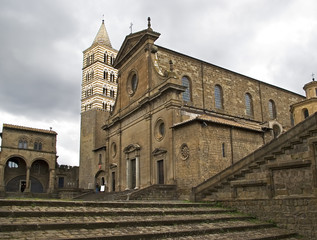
[46,219]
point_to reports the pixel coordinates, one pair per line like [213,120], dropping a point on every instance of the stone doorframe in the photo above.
[132,152]
[158,155]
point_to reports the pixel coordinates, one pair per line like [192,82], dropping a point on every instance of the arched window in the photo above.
[105,74]
[218,97]
[272,109]
[305,113]
[111,77]
[23,144]
[20,144]
[186,94]
[105,91]
[105,57]
[92,74]
[248,104]
[38,146]
[111,60]
[104,105]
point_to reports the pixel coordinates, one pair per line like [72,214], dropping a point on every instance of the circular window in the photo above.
[159,130]
[132,83]
[184,150]
[114,149]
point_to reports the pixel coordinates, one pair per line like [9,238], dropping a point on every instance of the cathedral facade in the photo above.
[176,120]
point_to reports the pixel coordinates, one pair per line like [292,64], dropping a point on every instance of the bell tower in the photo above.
[99,77]
[98,94]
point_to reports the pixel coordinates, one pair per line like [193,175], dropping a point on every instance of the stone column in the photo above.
[137,172]
[127,174]
[2,186]
[51,182]
[27,187]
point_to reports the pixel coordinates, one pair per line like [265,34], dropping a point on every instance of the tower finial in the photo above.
[103,18]
[149,23]
[313,76]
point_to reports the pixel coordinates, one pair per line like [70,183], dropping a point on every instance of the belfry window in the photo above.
[105,57]
[186,94]
[248,104]
[111,77]
[105,74]
[218,97]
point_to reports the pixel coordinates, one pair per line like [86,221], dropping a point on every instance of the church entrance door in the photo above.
[160,171]
[133,174]
[113,176]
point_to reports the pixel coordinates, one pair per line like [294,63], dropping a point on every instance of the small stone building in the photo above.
[301,110]
[27,160]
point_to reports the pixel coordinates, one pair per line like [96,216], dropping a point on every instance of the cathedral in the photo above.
[152,116]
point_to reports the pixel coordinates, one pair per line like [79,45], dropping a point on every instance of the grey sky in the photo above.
[41,46]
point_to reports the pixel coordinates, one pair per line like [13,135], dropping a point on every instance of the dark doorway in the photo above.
[22,185]
[160,171]
[133,173]
[102,181]
[60,182]
[113,182]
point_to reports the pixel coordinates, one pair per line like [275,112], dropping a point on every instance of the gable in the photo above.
[132,43]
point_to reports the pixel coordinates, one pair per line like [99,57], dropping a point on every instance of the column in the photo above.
[51,181]
[137,172]
[27,187]
[127,174]
[2,186]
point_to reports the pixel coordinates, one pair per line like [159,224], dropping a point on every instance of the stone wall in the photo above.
[296,214]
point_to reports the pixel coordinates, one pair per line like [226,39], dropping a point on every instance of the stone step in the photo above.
[46,212]
[69,222]
[139,232]
[33,219]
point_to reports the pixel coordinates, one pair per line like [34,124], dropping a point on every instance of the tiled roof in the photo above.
[238,123]
[28,129]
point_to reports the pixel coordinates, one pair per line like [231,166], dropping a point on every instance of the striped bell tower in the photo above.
[99,91]
[99,78]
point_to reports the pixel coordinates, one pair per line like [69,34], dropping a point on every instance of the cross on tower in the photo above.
[313,76]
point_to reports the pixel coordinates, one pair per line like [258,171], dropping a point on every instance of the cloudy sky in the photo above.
[41,44]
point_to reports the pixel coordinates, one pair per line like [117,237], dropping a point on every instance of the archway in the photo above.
[100,180]
[15,175]
[39,176]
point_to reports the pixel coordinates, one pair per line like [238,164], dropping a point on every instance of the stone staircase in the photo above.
[49,219]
